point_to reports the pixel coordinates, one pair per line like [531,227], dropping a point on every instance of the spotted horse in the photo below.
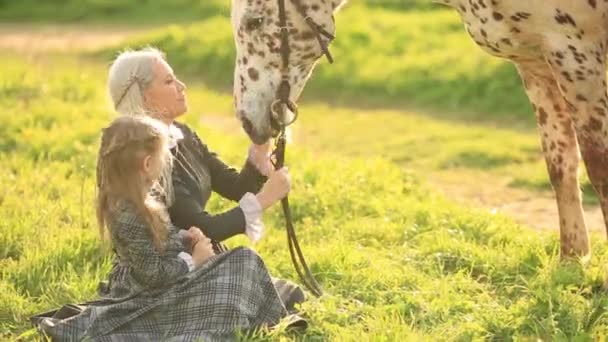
[558,47]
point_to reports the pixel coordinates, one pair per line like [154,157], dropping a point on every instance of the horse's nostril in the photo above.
[247,125]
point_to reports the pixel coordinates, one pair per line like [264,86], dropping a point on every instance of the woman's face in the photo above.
[166,94]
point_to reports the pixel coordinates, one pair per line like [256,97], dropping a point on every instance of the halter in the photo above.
[276,108]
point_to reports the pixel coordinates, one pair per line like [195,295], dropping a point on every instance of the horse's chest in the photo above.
[501,34]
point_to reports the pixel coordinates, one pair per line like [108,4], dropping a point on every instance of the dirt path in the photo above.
[483,190]
[534,209]
[46,38]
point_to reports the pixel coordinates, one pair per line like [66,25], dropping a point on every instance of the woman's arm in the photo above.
[226,180]
[149,266]
[186,211]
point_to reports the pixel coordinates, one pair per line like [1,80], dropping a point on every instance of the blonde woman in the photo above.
[143,80]
[159,291]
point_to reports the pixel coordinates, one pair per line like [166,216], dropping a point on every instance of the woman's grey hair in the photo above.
[130,74]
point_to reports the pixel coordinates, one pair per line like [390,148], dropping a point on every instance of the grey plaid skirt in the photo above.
[232,292]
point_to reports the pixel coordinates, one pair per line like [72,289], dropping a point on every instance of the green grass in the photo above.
[104,11]
[397,260]
[431,146]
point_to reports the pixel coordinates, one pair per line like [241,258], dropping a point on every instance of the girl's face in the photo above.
[153,165]
[166,94]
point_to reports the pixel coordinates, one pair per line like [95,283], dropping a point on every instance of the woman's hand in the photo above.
[202,251]
[276,188]
[259,156]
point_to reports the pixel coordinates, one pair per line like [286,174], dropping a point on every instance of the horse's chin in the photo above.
[259,139]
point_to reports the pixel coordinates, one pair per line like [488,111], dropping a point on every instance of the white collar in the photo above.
[175,135]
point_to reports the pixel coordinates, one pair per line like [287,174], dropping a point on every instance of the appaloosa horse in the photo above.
[558,46]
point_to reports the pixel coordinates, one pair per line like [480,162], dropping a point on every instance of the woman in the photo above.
[144,80]
[159,291]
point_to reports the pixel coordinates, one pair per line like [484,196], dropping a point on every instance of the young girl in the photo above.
[157,290]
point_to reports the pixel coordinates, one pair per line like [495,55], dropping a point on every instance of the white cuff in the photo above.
[262,163]
[188,259]
[253,216]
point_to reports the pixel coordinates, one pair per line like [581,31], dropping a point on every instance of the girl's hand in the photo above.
[195,235]
[202,251]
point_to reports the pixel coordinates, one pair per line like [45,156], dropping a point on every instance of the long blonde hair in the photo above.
[124,145]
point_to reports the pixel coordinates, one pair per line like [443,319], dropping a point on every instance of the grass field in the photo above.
[398,260]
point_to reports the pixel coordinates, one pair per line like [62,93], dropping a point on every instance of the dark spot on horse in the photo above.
[542,116]
[601,112]
[595,124]
[564,18]
[247,125]
[306,35]
[593,3]
[596,159]
[556,174]
[309,55]
[254,75]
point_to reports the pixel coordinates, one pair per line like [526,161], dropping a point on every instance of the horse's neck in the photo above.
[320,11]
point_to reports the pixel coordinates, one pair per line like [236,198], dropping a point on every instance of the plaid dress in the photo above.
[153,297]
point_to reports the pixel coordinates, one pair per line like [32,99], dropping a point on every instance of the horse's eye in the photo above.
[254,23]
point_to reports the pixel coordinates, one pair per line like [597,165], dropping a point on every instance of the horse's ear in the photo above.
[337,4]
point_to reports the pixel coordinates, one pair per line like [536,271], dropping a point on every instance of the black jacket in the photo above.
[196,173]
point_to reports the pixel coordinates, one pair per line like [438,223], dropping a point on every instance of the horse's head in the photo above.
[259,68]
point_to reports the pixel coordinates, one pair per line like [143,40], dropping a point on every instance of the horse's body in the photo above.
[558,46]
